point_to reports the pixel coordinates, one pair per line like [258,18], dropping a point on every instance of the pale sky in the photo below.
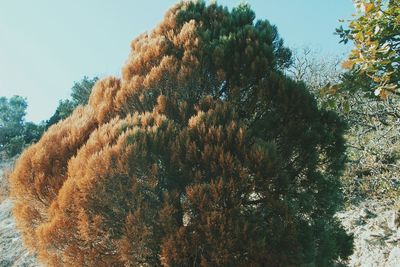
[46,45]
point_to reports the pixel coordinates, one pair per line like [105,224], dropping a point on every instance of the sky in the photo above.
[47,45]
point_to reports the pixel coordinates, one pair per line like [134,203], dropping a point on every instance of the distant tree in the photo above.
[79,96]
[82,89]
[33,132]
[322,74]
[12,113]
[376,55]
[15,132]
[203,154]
[64,109]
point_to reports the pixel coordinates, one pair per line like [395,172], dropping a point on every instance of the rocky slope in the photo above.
[12,252]
[376,233]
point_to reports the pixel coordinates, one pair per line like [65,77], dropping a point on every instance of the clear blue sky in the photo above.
[46,45]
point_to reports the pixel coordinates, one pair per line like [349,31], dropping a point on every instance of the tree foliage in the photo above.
[79,96]
[12,113]
[203,154]
[375,31]
[82,89]
[373,68]
[15,133]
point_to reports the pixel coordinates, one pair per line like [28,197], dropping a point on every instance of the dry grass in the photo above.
[5,170]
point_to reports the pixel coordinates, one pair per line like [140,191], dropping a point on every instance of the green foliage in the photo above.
[374,70]
[79,96]
[12,113]
[322,75]
[14,145]
[15,133]
[376,55]
[64,109]
[33,132]
[81,91]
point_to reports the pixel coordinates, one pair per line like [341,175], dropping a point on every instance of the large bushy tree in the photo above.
[203,154]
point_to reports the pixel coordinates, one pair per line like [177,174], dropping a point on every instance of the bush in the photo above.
[14,146]
[204,153]
[4,185]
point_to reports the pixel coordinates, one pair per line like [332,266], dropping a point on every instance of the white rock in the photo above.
[394,258]
[392,220]
[12,252]
[374,239]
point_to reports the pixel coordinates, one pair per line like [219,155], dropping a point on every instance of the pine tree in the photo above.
[202,154]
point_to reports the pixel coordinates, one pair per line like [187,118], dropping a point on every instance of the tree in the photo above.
[33,132]
[373,71]
[82,89]
[322,74]
[63,110]
[376,55]
[79,96]
[203,154]
[15,132]
[12,113]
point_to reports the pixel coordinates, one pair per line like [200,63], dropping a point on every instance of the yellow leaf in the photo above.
[368,7]
[384,94]
[347,64]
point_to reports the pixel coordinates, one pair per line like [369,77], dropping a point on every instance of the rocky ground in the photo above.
[12,252]
[376,231]
[375,225]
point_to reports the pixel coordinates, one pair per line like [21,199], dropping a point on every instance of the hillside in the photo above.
[12,252]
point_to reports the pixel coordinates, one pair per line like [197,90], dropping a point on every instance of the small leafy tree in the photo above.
[376,55]
[203,154]
[373,70]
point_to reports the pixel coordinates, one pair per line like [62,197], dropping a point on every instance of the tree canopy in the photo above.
[375,31]
[15,132]
[79,96]
[203,154]
[12,114]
